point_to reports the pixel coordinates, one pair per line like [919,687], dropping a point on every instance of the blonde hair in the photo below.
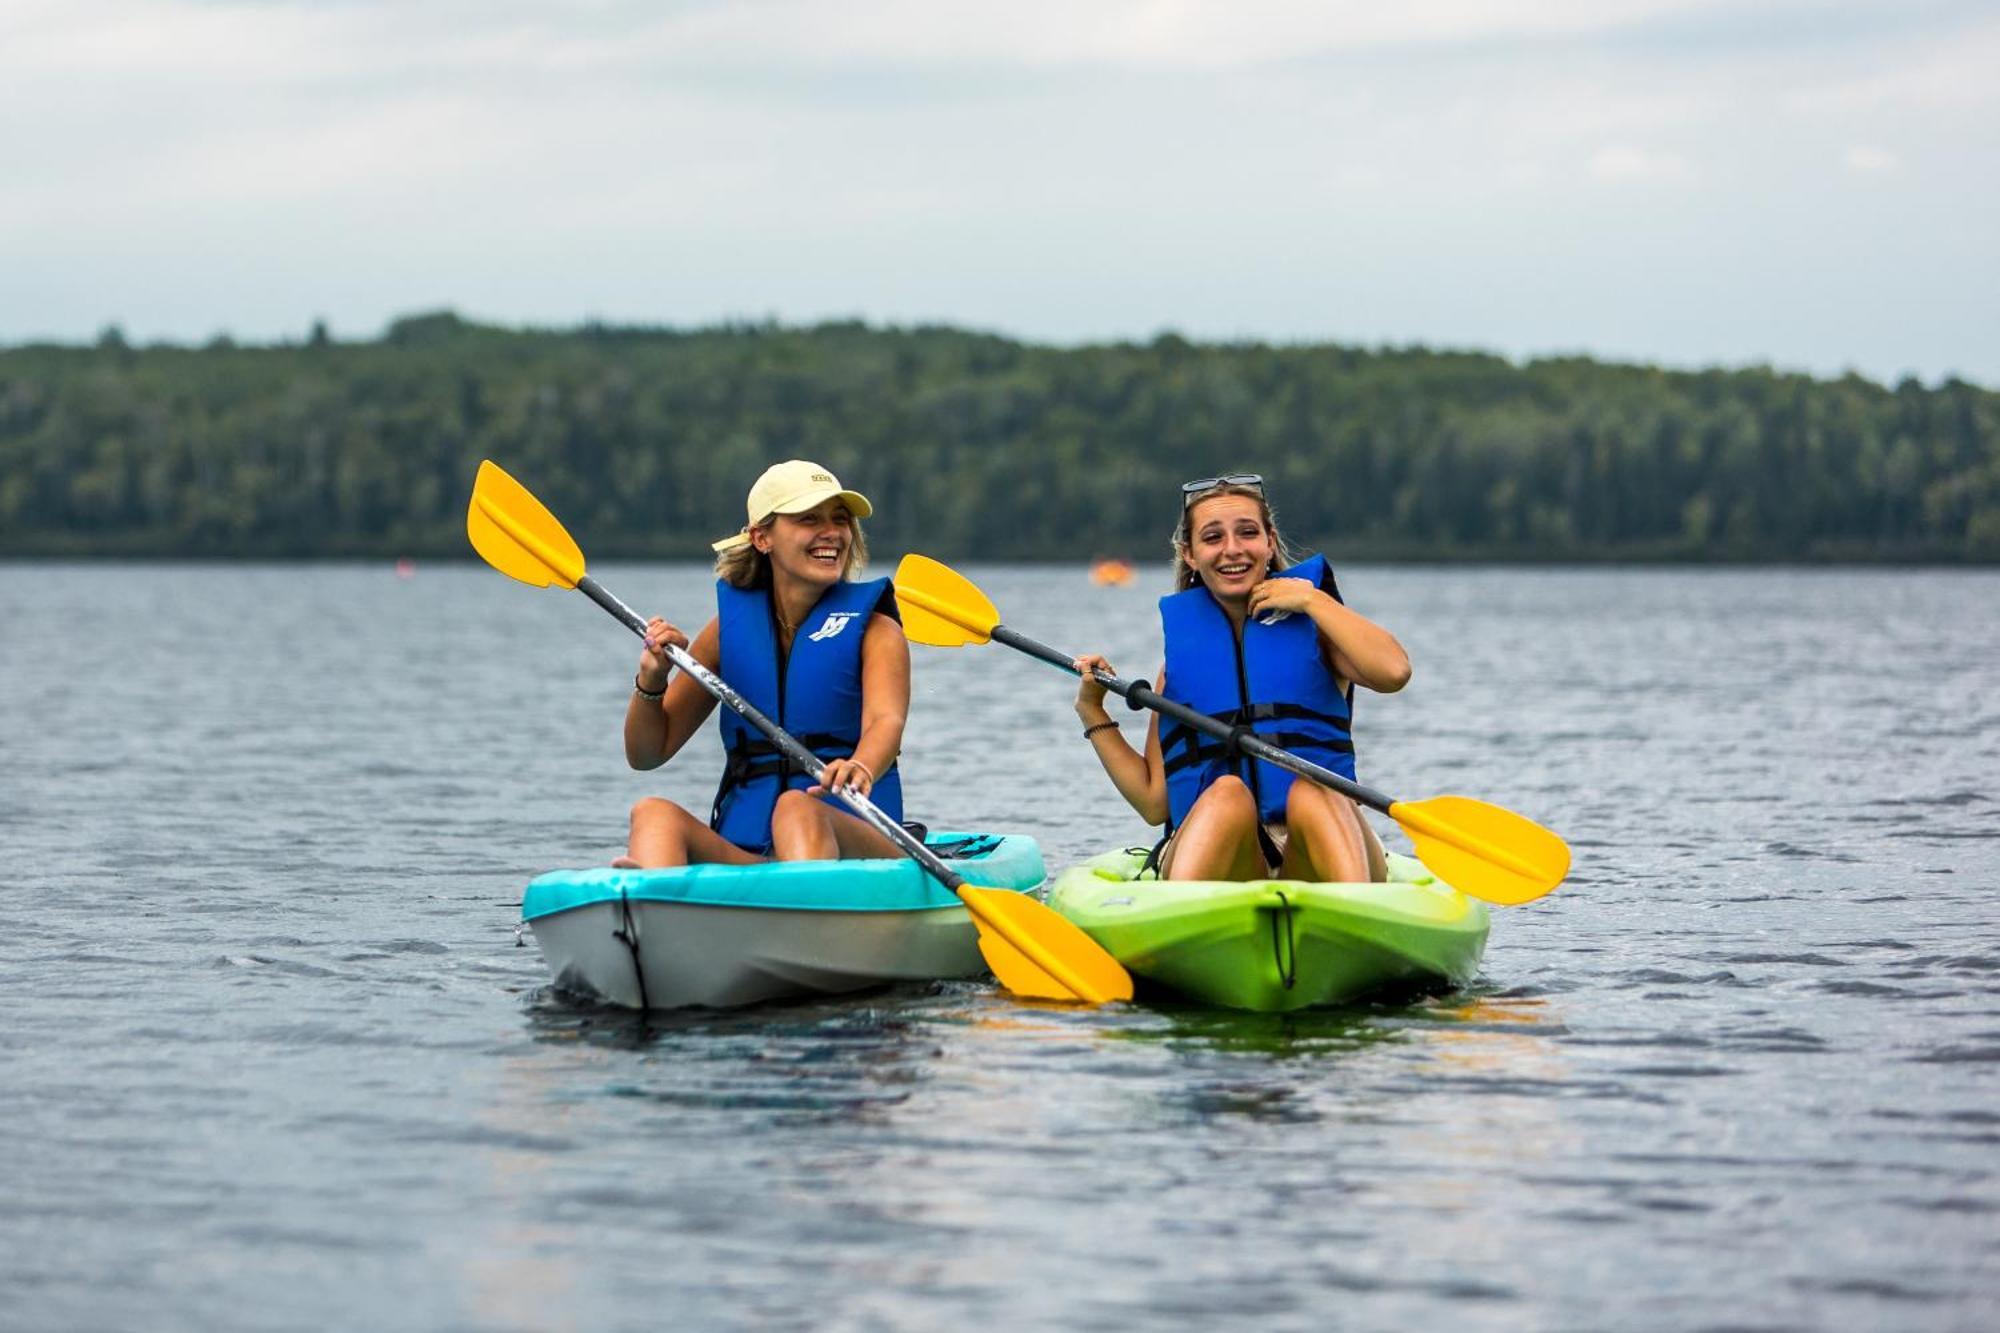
[747,567]
[1281,554]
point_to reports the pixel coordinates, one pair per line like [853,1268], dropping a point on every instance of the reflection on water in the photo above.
[1496,1036]
[828,1062]
[1302,1035]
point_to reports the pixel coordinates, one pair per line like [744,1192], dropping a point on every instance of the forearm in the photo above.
[881,741]
[651,734]
[645,732]
[1373,655]
[656,729]
[1129,770]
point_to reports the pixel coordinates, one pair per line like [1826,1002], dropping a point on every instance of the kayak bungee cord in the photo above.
[628,935]
[1288,977]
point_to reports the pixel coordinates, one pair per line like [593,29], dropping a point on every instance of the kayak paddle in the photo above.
[1478,848]
[1032,951]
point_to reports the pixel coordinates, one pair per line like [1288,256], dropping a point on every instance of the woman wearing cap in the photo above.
[820,655]
[1261,640]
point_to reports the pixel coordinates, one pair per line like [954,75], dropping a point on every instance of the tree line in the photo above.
[973,446]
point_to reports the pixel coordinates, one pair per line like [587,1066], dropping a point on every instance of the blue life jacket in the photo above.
[1274,682]
[814,693]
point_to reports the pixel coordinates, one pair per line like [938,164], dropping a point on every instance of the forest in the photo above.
[975,446]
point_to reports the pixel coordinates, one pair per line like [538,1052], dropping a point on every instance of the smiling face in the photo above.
[1229,546]
[814,547]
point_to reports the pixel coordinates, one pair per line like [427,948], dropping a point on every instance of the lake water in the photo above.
[272,1059]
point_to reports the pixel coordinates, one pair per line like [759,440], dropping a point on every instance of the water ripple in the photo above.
[271,1049]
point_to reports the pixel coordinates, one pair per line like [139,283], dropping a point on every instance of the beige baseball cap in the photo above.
[792,487]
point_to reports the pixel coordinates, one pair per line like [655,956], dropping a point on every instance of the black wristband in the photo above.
[653,696]
[1090,731]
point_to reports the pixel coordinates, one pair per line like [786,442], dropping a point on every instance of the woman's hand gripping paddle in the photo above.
[1480,849]
[1033,951]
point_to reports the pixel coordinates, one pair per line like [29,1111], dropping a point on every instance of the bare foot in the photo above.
[624,863]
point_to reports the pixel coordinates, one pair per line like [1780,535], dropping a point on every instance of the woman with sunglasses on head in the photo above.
[1261,640]
[823,657]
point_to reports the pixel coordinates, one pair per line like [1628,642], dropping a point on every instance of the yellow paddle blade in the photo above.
[1037,954]
[941,607]
[1483,850]
[516,534]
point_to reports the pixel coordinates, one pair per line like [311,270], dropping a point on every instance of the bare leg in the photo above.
[857,839]
[1378,858]
[1329,841]
[1218,839]
[664,834]
[807,828]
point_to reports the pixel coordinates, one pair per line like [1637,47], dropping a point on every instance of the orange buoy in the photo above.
[1111,573]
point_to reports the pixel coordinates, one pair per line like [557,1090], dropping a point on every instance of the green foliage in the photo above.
[644,440]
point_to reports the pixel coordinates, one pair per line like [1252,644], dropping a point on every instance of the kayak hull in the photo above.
[725,936]
[1277,945]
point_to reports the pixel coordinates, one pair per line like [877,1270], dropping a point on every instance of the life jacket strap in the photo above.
[755,757]
[1184,747]
[1296,712]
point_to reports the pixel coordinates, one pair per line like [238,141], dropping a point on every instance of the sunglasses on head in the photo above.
[1194,490]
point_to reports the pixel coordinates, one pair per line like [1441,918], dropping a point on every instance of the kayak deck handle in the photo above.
[1286,958]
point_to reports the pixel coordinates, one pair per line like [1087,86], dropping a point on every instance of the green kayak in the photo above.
[1276,945]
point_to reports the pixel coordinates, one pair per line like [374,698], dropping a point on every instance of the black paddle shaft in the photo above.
[1138,694]
[871,813]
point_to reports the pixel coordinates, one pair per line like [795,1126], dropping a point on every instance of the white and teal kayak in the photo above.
[721,936]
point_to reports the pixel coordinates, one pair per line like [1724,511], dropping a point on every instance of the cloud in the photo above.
[1952,73]
[1868,160]
[1157,35]
[1623,163]
[246,40]
[1285,168]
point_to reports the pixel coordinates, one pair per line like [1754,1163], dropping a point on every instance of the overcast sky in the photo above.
[1815,185]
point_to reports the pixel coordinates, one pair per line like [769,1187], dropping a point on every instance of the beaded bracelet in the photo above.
[651,696]
[1088,732]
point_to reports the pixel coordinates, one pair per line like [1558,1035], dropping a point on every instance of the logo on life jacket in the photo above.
[835,622]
